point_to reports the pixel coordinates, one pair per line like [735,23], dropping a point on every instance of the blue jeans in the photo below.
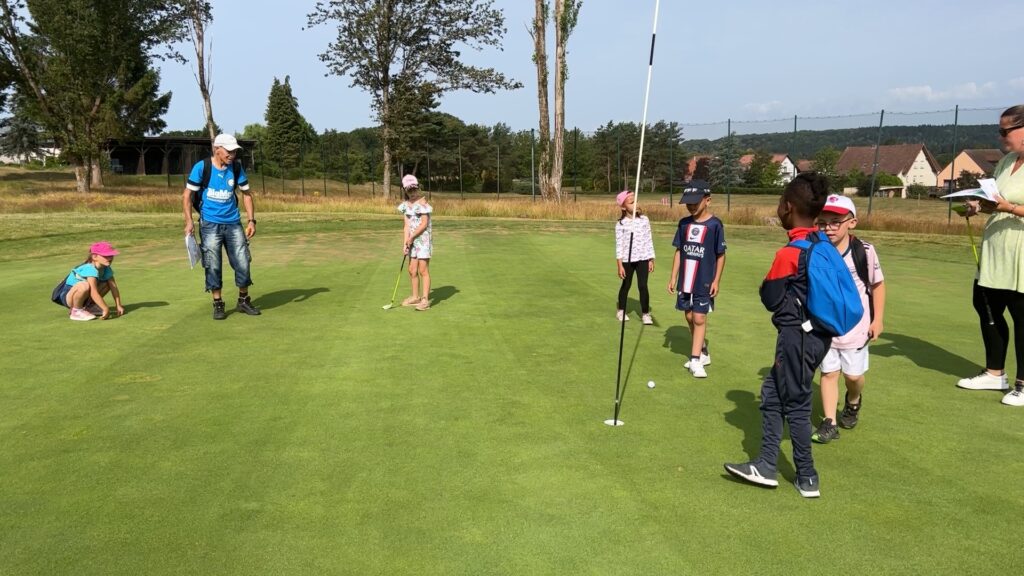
[232,238]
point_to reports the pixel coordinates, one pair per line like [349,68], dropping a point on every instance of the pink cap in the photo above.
[410,181]
[620,198]
[839,205]
[103,249]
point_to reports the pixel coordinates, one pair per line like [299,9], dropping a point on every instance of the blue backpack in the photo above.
[833,302]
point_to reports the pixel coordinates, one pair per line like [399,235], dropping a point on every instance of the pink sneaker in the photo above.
[81,314]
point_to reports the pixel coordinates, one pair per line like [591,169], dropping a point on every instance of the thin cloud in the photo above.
[1017,83]
[763,108]
[959,92]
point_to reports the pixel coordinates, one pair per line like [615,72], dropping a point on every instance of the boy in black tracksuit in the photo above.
[786,391]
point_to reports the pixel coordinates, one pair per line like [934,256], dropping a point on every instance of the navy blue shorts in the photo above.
[64,295]
[701,304]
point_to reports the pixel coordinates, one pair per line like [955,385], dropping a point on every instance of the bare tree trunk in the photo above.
[96,173]
[558,154]
[81,177]
[198,18]
[140,167]
[540,59]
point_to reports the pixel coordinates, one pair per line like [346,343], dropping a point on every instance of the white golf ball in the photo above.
[650,384]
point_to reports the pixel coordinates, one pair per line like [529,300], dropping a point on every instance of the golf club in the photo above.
[394,292]
[614,421]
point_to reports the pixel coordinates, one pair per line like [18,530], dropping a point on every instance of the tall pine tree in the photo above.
[288,136]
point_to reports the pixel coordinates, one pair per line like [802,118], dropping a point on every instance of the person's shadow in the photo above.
[678,340]
[746,416]
[138,305]
[923,353]
[281,297]
[442,293]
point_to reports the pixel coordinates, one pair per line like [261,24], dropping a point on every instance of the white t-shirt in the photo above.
[858,336]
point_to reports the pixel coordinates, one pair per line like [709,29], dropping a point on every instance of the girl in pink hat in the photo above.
[637,260]
[84,288]
[417,241]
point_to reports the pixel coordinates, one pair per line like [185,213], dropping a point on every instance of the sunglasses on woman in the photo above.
[1004,131]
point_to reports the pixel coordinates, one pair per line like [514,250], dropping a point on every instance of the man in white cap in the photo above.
[211,190]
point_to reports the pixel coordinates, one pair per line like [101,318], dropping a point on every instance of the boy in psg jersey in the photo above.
[697,269]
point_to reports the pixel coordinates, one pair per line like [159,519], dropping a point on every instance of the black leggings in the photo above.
[642,269]
[991,304]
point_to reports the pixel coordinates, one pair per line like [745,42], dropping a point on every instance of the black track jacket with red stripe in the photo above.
[782,287]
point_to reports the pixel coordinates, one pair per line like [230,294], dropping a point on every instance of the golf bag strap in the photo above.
[860,263]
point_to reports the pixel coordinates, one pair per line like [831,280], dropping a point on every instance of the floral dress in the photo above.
[414,212]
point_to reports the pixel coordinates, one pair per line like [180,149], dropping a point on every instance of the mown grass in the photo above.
[331,437]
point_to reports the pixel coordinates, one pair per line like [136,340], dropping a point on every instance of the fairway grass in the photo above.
[329,436]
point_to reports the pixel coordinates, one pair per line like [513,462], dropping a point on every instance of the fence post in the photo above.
[952,168]
[575,165]
[323,159]
[348,169]
[462,192]
[263,172]
[302,170]
[533,177]
[671,168]
[728,170]
[428,175]
[497,180]
[874,166]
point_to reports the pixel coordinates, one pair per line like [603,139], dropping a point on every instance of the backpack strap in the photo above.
[204,182]
[860,262]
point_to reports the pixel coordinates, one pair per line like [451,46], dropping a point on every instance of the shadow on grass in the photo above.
[924,354]
[443,293]
[281,297]
[678,340]
[746,416]
[623,376]
[139,305]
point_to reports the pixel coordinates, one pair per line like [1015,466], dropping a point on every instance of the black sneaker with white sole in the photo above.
[807,486]
[826,432]
[749,472]
[851,413]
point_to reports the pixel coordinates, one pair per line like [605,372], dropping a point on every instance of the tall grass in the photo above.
[27,192]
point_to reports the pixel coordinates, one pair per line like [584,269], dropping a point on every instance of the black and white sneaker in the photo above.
[1016,396]
[749,472]
[826,432]
[218,310]
[807,486]
[851,413]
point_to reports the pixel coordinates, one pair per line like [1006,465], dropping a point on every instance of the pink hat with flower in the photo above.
[103,249]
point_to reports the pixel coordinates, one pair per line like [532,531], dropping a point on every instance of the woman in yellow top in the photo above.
[1000,283]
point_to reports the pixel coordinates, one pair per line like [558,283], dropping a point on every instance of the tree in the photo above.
[968,180]
[21,136]
[763,172]
[198,15]
[288,134]
[825,161]
[725,166]
[552,150]
[413,43]
[83,68]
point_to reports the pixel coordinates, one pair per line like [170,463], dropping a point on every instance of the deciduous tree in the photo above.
[382,44]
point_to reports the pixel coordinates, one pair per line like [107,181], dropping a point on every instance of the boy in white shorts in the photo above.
[849,352]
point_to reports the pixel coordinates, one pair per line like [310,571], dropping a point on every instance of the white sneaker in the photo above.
[697,369]
[647,320]
[621,315]
[81,314]
[1016,397]
[985,381]
[705,360]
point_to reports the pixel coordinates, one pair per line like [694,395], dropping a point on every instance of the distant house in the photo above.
[787,168]
[980,162]
[698,163]
[804,165]
[912,163]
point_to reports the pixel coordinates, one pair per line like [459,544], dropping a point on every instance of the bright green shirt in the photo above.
[1002,246]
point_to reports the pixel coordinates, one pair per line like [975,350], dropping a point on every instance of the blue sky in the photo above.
[744,60]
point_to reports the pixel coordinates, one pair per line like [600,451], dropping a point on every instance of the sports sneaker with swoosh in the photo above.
[749,472]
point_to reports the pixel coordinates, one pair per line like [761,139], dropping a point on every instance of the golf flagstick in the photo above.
[391,304]
[632,225]
[977,262]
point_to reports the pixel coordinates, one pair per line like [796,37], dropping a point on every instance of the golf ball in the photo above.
[650,384]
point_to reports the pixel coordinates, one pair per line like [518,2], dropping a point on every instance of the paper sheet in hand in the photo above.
[987,191]
[194,256]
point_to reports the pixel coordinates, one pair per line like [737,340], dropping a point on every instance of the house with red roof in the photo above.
[980,162]
[911,163]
